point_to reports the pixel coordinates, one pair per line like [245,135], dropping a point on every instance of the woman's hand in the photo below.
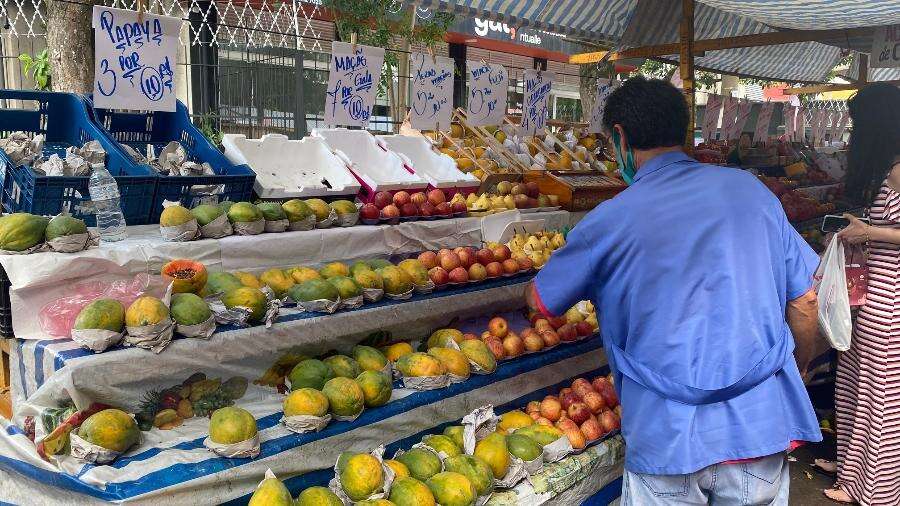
[856,232]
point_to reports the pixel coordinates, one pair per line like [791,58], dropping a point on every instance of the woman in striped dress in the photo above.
[867,394]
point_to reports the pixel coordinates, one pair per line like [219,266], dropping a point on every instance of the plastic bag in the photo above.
[857,275]
[834,301]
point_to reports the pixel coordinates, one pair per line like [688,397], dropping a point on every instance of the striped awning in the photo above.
[633,23]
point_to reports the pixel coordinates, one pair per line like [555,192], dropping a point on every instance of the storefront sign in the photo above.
[432,91]
[604,88]
[763,120]
[524,37]
[353,78]
[537,95]
[711,116]
[885,47]
[134,59]
[488,86]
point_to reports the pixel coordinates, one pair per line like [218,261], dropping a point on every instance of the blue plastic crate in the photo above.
[64,120]
[137,129]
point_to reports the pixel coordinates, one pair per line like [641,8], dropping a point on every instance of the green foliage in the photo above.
[39,65]
[208,126]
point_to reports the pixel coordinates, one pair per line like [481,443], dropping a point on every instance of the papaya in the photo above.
[189,309]
[101,314]
[206,213]
[368,279]
[221,282]
[301,274]
[420,364]
[394,351]
[145,310]
[442,338]
[112,429]
[272,211]
[523,447]
[415,270]
[400,470]
[411,492]
[231,424]
[515,419]
[248,279]
[369,359]
[249,298]
[296,210]
[422,463]
[378,263]
[271,492]
[395,280]
[277,280]
[376,387]
[441,443]
[174,216]
[320,208]
[454,361]
[314,289]
[344,207]
[473,468]
[20,231]
[63,226]
[342,460]
[362,476]
[244,212]
[310,373]
[186,276]
[334,269]
[343,366]
[492,449]
[318,496]
[305,401]
[455,433]
[541,434]
[452,489]
[360,266]
[376,502]
[478,353]
[345,286]
[225,205]
[345,396]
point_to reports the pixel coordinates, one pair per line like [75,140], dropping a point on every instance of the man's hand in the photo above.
[803,319]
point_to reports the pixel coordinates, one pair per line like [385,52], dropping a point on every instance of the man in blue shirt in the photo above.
[704,296]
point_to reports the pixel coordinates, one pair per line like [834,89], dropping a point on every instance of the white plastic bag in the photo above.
[834,301]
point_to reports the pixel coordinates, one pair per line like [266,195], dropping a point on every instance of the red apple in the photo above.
[533,407]
[498,327]
[533,342]
[568,398]
[477,272]
[583,329]
[409,209]
[550,337]
[438,276]
[532,190]
[610,396]
[459,207]
[557,321]
[567,333]
[382,199]
[443,252]
[466,257]
[437,197]
[543,421]
[418,198]
[426,209]
[444,209]
[401,198]
[594,401]
[494,269]
[525,264]
[551,408]
[591,429]
[510,266]
[598,383]
[429,259]
[513,345]
[501,253]
[484,256]
[390,211]
[470,337]
[579,412]
[459,275]
[541,324]
[450,261]
[609,421]
[534,415]
[581,385]
[369,212]
[496,347]
[528,332]
[487,335]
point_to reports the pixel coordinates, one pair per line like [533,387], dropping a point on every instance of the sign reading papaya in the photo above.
[885,47]
[352,84]
[604,88]
[537,94]
[134,59]
[488,86]
[432,91]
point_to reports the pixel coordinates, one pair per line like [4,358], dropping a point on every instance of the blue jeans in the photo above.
[759,482]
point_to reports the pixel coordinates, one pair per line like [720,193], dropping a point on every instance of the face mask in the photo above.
[626,163]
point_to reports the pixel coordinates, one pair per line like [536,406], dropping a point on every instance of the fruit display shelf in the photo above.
[175,467]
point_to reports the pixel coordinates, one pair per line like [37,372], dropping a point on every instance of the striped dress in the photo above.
[867,395]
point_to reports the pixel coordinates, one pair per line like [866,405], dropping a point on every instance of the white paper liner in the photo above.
[305,423]
[307,223]
[319,305]
[426,288]
[477,425]
[277,225]
[535,466]
[400,296]
[150,337]
[335,483]
[347,220]
[96,340]
[217,228]
[346,418]
[187,231]
[269,475]
[352,302]
[273,306]
[202,330]
[328,221]
[558,450]
[514,474]
[249,227]
[248,448]
[483,499]
[238,316]
[388,370]
[73,243]
[456,379]
[89,452]
[426,382]
[372,294]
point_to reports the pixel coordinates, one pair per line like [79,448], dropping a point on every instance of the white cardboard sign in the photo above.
[353,78]
[741,116]
[790,113]
[134,60]
[729,114]
[432,91]
[885,47]
[763,120]
[488,86]
[838,124]
[604,88]
[800,125]
[537,94]
[711,116]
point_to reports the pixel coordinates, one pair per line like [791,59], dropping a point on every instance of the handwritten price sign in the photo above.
[885,47]
[352,84]
[134,60]
[711,116]
[432,91]
[537,91]
[604,88]
[763,120]
[487,93]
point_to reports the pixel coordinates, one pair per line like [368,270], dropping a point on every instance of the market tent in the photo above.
[814,14]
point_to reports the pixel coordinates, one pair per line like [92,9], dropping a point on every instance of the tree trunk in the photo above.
[70,42]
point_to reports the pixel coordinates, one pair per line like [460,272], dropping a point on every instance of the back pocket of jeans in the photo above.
[665,485]
[767,469]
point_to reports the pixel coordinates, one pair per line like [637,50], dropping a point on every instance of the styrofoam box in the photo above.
[292,169]
[437,168]
[377,167]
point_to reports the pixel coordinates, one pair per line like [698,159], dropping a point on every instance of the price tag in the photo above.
[537,93]
[604,88]
[488,86]
[432,91]
[885,47]
[761,133]
[711,116]
[352,84]
[134,60]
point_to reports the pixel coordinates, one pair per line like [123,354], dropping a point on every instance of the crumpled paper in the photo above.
[477,425]
[217,228]
[400,296]
[89,452]
[150,337]
[276,225]
[249,227]
[372,294]
[304,224]
[557,450]
[22,148]
[202,330]
[426,382]
[77,161]
[305,423]
[74,243]
[96,340]
[249,448]
[328,221]
[352,302]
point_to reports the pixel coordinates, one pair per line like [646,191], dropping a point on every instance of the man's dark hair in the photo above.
[652,112]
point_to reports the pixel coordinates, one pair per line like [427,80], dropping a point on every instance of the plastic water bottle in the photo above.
[105,195]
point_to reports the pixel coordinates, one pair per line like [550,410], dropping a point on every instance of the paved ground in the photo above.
[806,489]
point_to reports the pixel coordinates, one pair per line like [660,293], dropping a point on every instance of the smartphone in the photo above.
[834,223]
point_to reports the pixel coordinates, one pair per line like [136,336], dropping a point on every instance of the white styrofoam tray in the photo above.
[292,168]
[437,168]
[379,168]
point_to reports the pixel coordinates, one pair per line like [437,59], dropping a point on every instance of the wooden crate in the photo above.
[577,190]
